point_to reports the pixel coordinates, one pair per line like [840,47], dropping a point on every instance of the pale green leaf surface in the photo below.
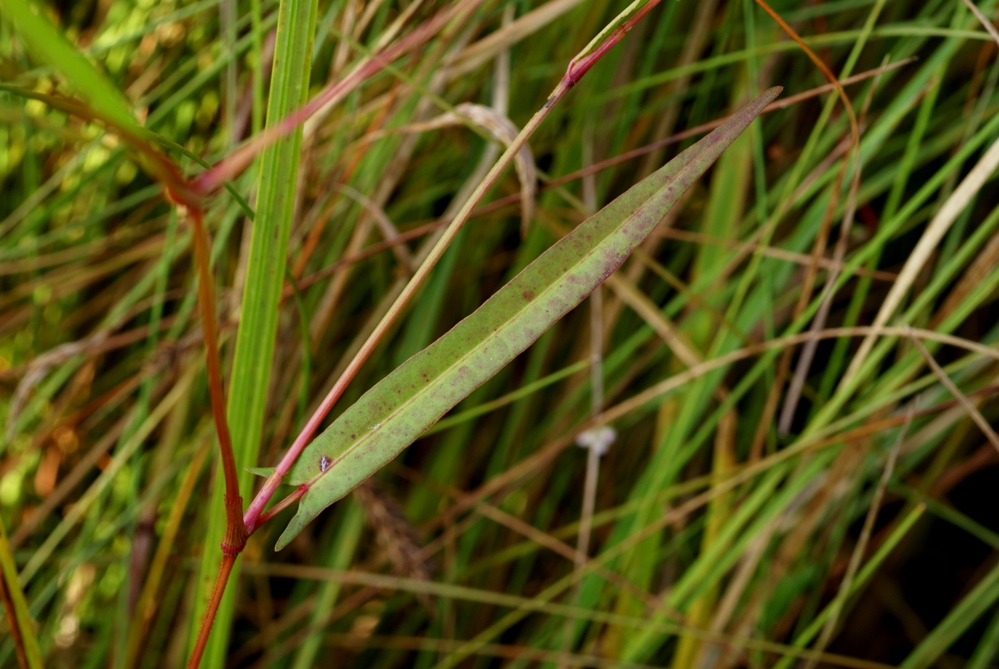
[412,398]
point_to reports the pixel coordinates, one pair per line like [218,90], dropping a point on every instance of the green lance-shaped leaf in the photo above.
[408,401]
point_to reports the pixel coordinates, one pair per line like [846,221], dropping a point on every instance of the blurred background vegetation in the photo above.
[738,518]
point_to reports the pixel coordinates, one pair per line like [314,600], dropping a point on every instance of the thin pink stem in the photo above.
[580,66]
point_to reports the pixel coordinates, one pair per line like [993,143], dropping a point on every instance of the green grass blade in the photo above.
[411,399]
[982,598]
[19,620]
[255,339]
[339,553]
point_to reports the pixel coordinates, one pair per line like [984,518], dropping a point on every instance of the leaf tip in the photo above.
[295,527]
[286,537]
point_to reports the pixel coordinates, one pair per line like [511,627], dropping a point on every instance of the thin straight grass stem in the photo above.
[989,28]
[594,451]
[966,403]
[19,622]
[955,204]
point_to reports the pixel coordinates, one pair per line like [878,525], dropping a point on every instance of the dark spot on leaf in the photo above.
[528,295]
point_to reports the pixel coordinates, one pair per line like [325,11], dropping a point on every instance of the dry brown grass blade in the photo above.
[991,29]
[693,46]
[502,129]
[685,377]
[150,597]
[966,403]
[654,317]
[553,544]
[385,226]
[977,272]
[494,43]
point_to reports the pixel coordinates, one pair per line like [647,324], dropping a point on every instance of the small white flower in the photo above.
[599,439]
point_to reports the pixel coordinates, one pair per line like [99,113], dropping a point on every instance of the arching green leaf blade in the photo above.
[408,401]
[47,43]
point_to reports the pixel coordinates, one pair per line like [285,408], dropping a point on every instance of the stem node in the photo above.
[235,530]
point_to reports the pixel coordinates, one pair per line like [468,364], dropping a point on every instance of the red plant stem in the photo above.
[578,67]
[235,530]
[15,624]
[252,519]
[225,569]
[283,504]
